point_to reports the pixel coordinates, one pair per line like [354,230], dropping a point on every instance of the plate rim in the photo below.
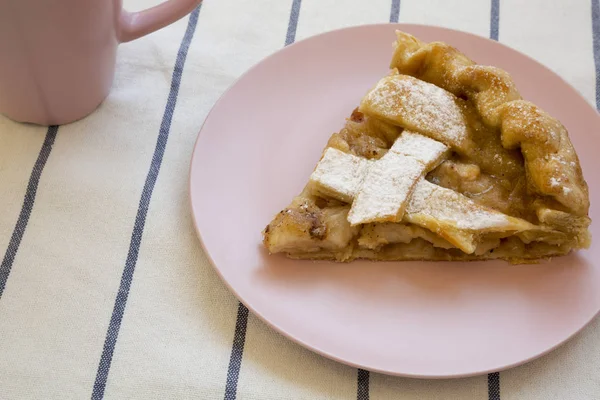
[275,326]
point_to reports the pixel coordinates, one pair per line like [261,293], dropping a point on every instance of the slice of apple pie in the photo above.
[442,160]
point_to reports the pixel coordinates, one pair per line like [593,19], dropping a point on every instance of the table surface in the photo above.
[104,289]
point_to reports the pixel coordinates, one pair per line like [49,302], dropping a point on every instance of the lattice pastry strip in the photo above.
[419,106]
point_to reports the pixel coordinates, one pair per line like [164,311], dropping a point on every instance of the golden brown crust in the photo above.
[552,165]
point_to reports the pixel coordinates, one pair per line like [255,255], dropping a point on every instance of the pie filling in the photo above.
[442,160]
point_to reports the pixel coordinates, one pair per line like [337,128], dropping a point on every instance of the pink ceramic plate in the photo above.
[256,151]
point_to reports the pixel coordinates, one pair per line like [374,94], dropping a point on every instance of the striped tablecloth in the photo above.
[104,290]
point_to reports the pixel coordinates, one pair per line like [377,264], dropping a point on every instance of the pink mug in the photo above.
[57,58]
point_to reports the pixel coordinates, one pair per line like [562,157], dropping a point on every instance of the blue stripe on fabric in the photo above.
[495,19]
[237,352]
[362,387]
[395,11]
[140,219]
[494,386]
[290,37]
[27,207]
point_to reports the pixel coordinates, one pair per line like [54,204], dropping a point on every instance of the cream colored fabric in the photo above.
[176,335]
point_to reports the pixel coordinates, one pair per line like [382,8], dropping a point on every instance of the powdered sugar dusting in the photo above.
[560,178]
[454,210]
[419,106]
[385,189]
[532,118]
[420,147]
[554,182]
[339,174]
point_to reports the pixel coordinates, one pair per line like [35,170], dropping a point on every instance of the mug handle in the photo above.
[134,25]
